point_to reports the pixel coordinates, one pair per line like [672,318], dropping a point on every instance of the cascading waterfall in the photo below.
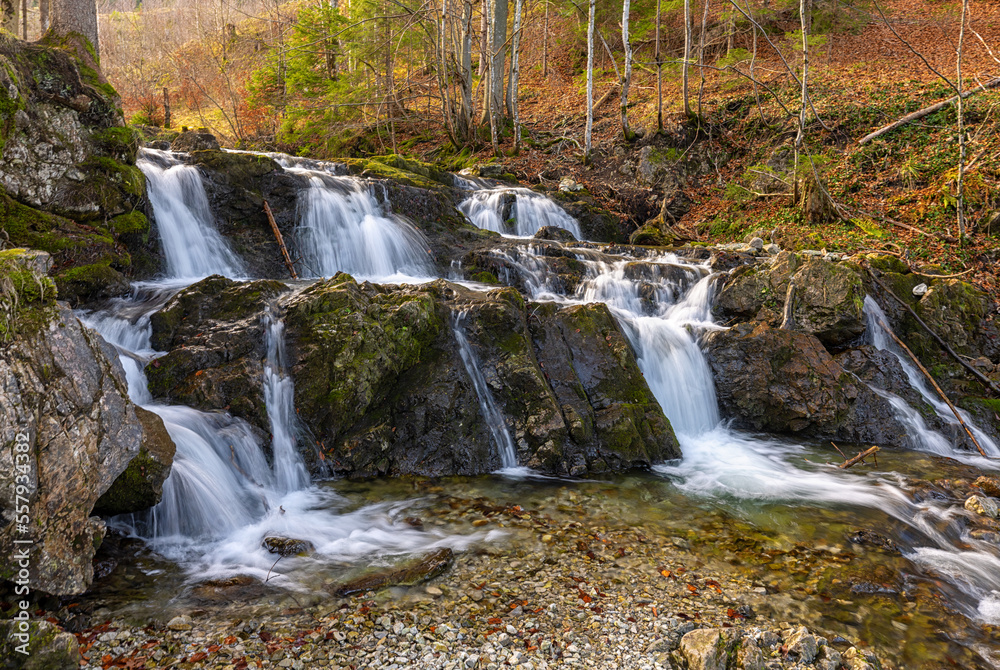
[487,404]
[279,398]
[731,467]
[874,318]
[191,243]
[531,211]
[342,229]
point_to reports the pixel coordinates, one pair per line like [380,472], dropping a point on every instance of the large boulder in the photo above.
[67,428]
[829,298]
[214,333]
[785,381]
[384,385]
[68,180]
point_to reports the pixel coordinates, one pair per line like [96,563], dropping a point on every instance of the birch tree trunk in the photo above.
[659,74]
[701,53]
[590,82]
[627,77]
[515,73]
[687,57]
[498,50]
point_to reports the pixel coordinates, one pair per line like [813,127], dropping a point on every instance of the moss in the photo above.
[121,143]
[134,489]
[91,282]
[131,223]
[245,170]
[484,277]
[27,297]
[388,167]
[650,236]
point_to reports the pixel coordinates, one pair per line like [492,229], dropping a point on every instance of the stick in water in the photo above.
[934,383]
[860,457]
[281,241]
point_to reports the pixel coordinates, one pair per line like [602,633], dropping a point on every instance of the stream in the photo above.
[773,509]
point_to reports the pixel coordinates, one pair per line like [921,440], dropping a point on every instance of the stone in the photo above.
[983,506]
[756,244]
[707,648]
[287,546]
[555,234]
[140,486]
[829,299]
[48,646]
[180,623]
[772,249]
[65,404]
[567,185]
[919,290]
[195,140]
[409,573]
[989,484]
[785,381]
[802,645]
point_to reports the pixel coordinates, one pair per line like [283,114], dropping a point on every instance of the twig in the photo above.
[857,459]
[944,345]
[838,450]
[281,241]
[937,388]
[957,274]
[272,568]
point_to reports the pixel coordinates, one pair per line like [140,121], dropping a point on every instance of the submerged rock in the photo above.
[287,546]
[410,573]
[983,506]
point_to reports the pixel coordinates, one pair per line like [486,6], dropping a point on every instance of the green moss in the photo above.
[133,222]
[133,490]
[484,277]
[121,143]
[650,236]
[93,281]
[394,168]
[27,297]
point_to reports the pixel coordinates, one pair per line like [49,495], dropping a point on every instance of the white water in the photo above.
[342,229]
[279,398]
[532,211]
[874,317]
[732,468]
[487,404]
[192,245]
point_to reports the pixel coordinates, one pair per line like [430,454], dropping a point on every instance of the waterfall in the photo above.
[926,438]
[191,243]
[279,398]
[342,229]
[490,209]
[487,405]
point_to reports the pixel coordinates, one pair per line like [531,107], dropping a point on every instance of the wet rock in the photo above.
[596,223]
[983,506]
[214,334]
[195,140]
[180,623]
[567,185]
[785,381]
[873,539]
[68,426]
[411,573]
[829,298]
[989,484]
[140,486]
[287,546]
[651,236]
[47,646]
[241,588]
[555,234]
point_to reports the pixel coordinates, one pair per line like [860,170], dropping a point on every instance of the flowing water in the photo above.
[530,211]
[229,488]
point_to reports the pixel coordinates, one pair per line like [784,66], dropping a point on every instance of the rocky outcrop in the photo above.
[380,382]
[785,381]
[68,181]
[214,333]
[68,429]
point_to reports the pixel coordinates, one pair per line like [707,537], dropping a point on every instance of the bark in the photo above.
[659,74]
[515,73]
[498,51]
[590,81]
[701,53]
[9,15]
[960,187]
[627,77]
[545,42]
[75,16]
[687,57]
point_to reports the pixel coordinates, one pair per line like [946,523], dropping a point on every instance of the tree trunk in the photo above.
[166,108]
[75,16]
[498,50]
[515,73]
[687,57]
[659,74]
[590,82]
[701,53]
[9,15]
[484,32]
[466,130]
[43,15]
[545,41]
[627,78]
[960,186]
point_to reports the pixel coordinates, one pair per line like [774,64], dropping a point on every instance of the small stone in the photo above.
[567,185]
[434,591]
[989,485]
[756,244]
[982,505]
[472,661]
[546,538]
[802,645]
[182,622]
[476,595]
[919,289]
[772,249]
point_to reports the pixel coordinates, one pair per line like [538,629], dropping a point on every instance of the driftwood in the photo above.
[281,241]
[921,113]
[857,459]
[937,338]
[933,383]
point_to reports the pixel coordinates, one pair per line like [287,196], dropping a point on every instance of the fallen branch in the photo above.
[921,113]
[937,338]
[604,98]
[933,383]
[857,459]
[900,224]
[957,274]
[281,241]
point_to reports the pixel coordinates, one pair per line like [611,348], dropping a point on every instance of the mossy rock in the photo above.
[237,169]
[396,169]
[651,236]
[86,283]
[119,143]
[27,294]
[140,486]
[132,223]
[48,647]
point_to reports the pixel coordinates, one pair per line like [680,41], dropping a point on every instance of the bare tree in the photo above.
[590,82]
[687,57]
[627,77]
[960,186]
[659,74]
[515,73]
